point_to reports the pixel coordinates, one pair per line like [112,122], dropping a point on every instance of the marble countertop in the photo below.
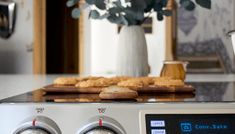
[11,85]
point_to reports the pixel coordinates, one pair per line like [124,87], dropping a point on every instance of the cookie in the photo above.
[116,92]
[133,83]
[85,84]
[102,82]
[147,80]
[65,81]
[117,79]
[121,78]
[88,78]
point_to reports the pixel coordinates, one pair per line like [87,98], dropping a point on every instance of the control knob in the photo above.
[100,131]
[102,125]
[38,125]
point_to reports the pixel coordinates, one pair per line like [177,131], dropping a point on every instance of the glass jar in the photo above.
[174,69]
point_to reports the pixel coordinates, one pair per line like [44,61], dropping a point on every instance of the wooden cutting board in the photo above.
[162,89]
[151,89]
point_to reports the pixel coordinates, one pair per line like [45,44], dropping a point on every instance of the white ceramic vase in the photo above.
[132,56]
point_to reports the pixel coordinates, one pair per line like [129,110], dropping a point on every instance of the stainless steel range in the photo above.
[210,110]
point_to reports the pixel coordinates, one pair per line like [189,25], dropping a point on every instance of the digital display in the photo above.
[190,123]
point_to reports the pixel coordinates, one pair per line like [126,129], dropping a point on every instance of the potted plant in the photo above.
[131,14]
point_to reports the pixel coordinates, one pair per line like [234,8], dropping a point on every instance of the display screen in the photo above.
[190,123]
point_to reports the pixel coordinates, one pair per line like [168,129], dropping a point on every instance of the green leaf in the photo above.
[187,4]
[123,20]
[138,4]
[139,15]
[190,7]
[204,3]
[149,2]
[136,14]
[159,16]
[76,13]
[114,19]
[114,10]
[104,16]
[130,19]
[164,3]
[157,7]
[183,1]
[71,3]
[100,4]
[91,2]
[94,14]
[157,1]
[150,5]
[118,3]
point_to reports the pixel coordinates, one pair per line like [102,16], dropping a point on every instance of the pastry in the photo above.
[148,80]
[102,82]
[65,81]
[133,83]
[117,79]
[116,92]
[88,78]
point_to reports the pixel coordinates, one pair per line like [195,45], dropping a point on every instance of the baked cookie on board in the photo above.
[79,79]
[67,81]
[102,82]
[116,92]
[133,83]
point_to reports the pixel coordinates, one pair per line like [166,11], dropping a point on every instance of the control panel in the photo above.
[117,118]
[188,121]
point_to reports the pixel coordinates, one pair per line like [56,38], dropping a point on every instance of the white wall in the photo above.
[87,44]
[14,57]
[104,40]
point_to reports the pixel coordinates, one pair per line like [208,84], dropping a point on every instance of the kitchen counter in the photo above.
[11,85]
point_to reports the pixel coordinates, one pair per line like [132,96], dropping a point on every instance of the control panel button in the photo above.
[157,123]
[158,131]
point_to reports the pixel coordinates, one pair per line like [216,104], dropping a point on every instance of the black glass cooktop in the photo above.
[205,92]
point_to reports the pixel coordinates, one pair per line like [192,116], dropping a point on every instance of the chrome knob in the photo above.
[100,131]
[37,125]
[34,131]
[102,125]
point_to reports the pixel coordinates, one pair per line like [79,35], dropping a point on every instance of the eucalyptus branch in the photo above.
[132,11]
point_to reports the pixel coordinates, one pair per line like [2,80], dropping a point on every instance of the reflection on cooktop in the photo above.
[205,92]
[213,91]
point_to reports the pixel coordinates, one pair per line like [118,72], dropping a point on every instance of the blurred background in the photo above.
[47,40]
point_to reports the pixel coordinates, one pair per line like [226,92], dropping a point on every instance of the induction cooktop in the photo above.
[204,92]
[208,110]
